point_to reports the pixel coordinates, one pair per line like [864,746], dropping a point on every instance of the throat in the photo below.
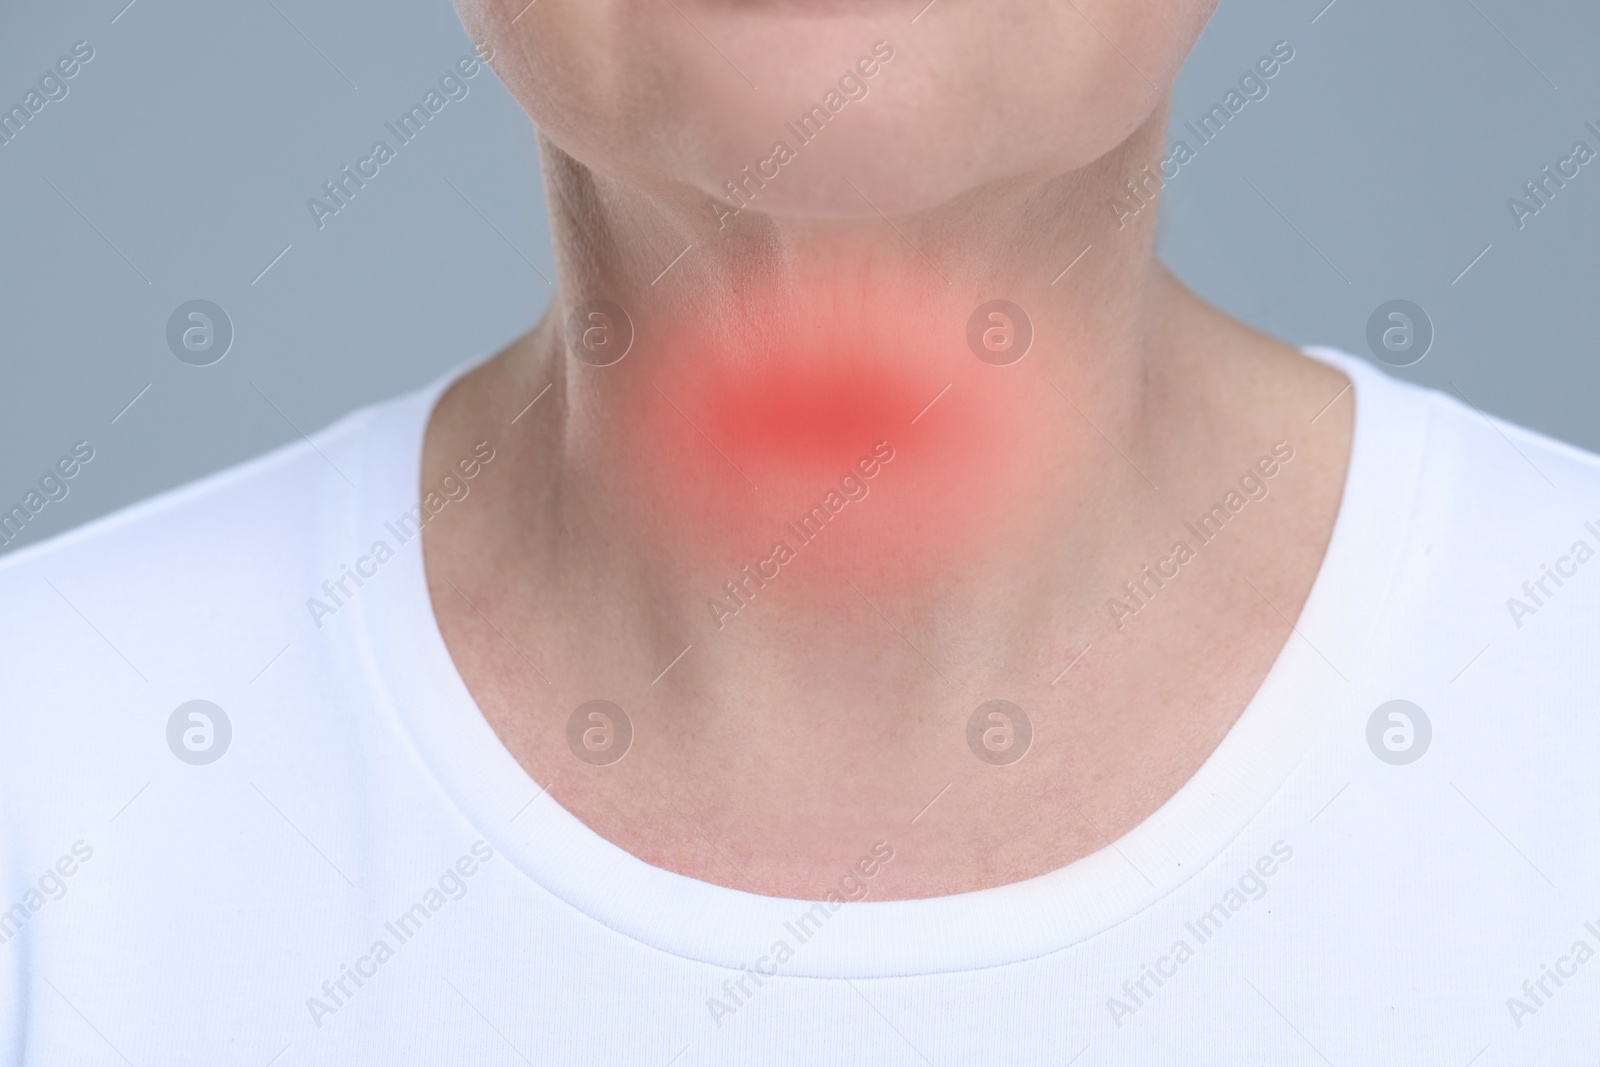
[822,449]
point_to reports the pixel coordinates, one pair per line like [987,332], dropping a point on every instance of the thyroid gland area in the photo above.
[871,456]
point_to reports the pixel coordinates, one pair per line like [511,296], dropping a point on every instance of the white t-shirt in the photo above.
[363,874]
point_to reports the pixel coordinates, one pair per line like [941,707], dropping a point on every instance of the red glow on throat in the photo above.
[793,419]
[914,447]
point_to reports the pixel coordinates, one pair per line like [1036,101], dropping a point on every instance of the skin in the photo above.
[829,712]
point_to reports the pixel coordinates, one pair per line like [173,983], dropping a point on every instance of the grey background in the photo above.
[179,165]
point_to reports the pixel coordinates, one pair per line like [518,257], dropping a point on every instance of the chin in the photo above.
[836,110]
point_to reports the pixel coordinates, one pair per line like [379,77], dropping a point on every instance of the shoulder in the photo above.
[164,554]
[107,628]
[1484,616]
[1468,466]
[1490,585]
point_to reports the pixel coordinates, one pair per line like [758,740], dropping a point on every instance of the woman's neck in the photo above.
[766,360]
[820,510]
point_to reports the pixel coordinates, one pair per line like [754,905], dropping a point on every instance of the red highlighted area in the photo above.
[830,446]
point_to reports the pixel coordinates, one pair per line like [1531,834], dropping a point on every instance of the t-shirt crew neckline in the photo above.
[415,681]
